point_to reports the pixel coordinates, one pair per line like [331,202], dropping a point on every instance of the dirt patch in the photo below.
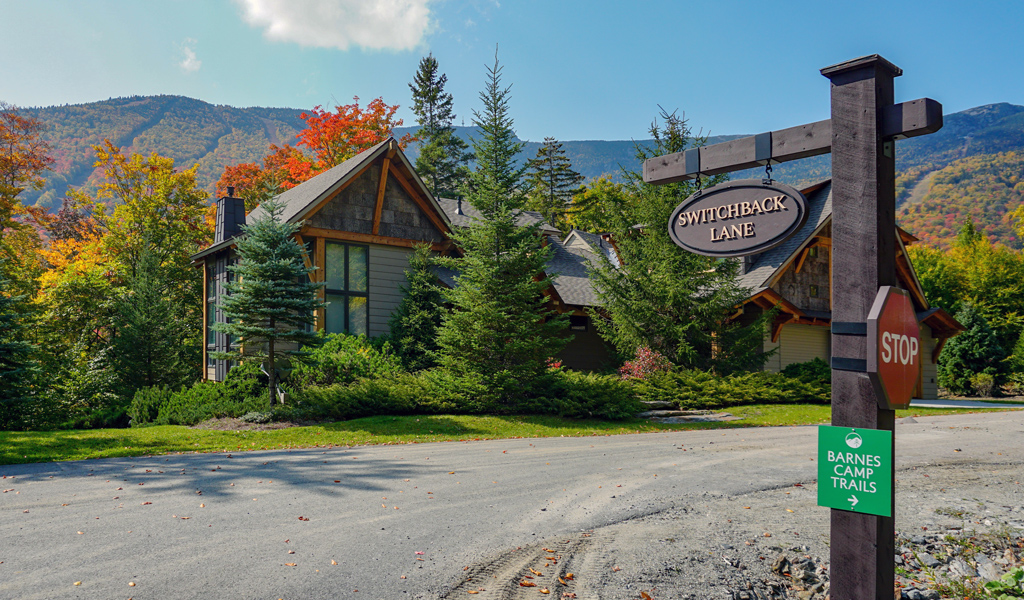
[236,424]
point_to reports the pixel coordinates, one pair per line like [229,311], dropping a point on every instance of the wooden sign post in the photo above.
[861,136]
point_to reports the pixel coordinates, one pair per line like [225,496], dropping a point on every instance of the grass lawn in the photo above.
[48,446]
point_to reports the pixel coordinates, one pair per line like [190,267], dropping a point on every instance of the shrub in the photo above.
[694,390]
[983,384]
[243,391]
[585,395]
[646,363]
[146,404]
[814,371]
[345,358]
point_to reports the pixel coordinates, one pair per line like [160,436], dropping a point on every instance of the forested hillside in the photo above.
[969,168]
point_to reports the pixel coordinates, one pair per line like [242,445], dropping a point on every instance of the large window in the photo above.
[348,288]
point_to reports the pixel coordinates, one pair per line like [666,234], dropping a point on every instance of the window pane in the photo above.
[211,314]
[357,316]
[357,268]
[334,314]
[335,266]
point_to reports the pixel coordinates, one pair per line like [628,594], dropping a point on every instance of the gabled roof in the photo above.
[470,214]
[569,268]
[767,264]
[302,199]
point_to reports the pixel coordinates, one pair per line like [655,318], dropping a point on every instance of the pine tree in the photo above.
[271,301]
[552,183]
[415,322]
[147,349]
[975,351]
[442,155]
[17,368]
[663,297]
[499,327]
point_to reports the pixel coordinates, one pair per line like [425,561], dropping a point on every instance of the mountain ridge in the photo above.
[193,131]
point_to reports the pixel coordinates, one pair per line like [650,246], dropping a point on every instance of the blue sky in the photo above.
[579,70]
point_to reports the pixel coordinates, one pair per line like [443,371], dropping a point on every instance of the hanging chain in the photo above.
[768,171]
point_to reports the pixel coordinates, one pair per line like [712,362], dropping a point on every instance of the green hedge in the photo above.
[435,391]
[696,390]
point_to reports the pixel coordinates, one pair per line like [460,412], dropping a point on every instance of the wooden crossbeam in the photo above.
[378,209]
[898,121]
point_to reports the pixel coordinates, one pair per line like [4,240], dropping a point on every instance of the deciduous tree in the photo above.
[24,156]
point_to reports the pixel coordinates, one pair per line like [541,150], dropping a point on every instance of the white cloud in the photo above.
[371,24]
[190,63]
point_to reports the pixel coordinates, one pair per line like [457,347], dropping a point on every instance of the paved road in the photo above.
[399,521]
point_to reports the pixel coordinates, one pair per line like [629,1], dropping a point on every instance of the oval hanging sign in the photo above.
[738,218]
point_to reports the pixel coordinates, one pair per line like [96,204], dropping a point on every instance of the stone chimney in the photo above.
[230,217]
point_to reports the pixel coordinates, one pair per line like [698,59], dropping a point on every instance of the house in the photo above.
[362,219]
[360,222]
[796,276]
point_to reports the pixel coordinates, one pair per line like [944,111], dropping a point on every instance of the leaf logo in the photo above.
[854,440]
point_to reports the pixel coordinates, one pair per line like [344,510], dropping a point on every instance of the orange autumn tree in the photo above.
[330,137]
[24,155]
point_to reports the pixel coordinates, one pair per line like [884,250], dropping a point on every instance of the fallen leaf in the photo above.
[202,506]
[545,591]
[131,584]
[81,532]
[537,573]
[527,584]
[569,576]
[562,581]
[645,595]
[789,510]
[291,552]
[616,569]
[472,592]
[289,564]
[419,552]
[334,562]
[78,583]
[303,519]
[337,481]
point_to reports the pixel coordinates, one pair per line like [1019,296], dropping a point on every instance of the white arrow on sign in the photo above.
[854,500]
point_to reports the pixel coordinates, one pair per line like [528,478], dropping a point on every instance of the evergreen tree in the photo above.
[663,297]
[499,327]
[271,301]
[552,183]
[975,351]
[17,368]
[443,155]
[415,322]
[147,349]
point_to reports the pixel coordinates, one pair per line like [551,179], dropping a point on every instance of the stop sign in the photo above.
[894,347]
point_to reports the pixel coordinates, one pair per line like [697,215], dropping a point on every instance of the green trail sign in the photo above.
[855,469]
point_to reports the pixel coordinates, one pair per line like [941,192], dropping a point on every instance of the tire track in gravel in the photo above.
[525,572]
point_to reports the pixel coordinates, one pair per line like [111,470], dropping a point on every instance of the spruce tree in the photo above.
[975,351]
[147,349]
[443,155]
[663,297]
[271,301]
[17,368]
[552,183]
[500,327]
[414,323]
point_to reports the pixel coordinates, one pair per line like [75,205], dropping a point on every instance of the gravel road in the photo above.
[661,514]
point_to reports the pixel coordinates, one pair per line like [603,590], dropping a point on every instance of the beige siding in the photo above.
[387,274]
[797,344]
[774,362]
[929,375]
